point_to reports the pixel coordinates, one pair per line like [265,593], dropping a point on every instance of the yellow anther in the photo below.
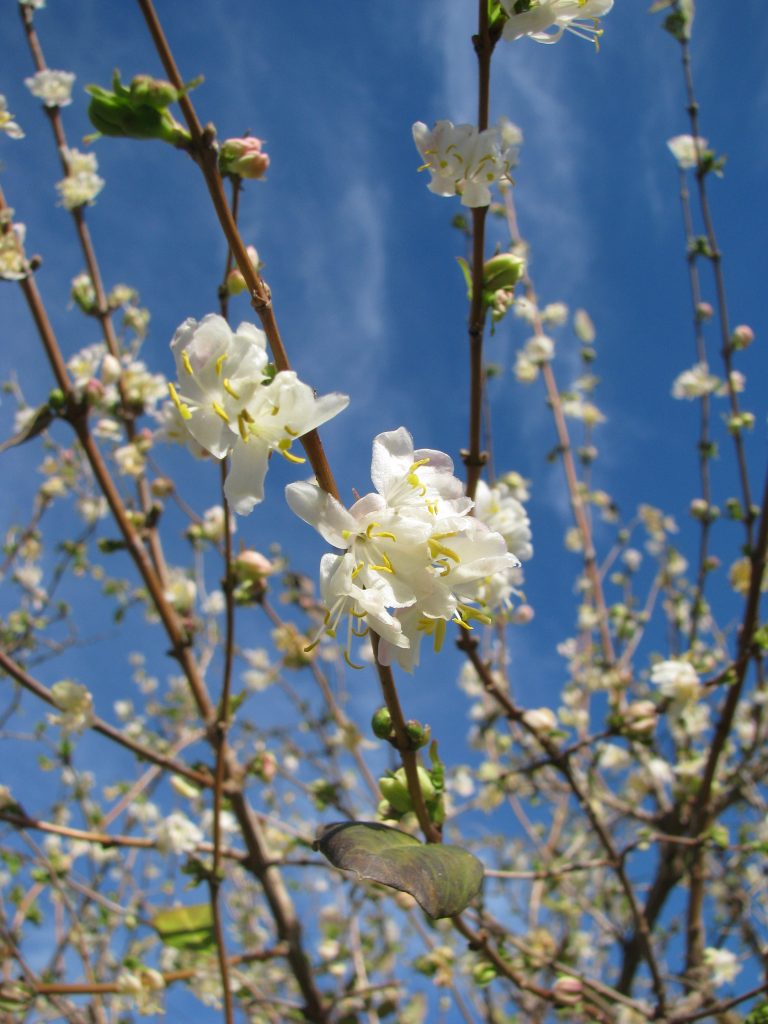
[387,567]
[310,647]
[439,634]
[460,622]
[187,363]
[357,570]
[346,534]
[361,633]
[289,430]
[219,411]
[219,363]
[382,535]
[229,389]
[418,464]
[242,426]
[436,548]
[183,409]
[282,447]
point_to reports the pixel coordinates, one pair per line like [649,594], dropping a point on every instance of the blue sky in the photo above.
[361,257]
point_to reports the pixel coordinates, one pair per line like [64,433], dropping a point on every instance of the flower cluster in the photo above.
[82,184]
[231,404]
[54,88]
[464,161]
[535,18]
[412,559]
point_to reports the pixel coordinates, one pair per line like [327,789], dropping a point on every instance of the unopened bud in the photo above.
[742,336]
[502,272]
[704,311]
[381,723]
[118,112]
[567,991]
[235,281]
[640,717]
[155,92]
[540,719]
[243,157]
[83,293]
[419,735]
[252,565]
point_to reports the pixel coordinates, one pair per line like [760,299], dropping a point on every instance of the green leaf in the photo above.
[467,275]
[443,879]
[186,927]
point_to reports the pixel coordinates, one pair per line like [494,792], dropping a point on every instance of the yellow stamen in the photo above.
[229,389]
[350,662]
[283,446]
[357,570]
[242,426]
[183,409]
[187,363]
[219,363]
[219,411]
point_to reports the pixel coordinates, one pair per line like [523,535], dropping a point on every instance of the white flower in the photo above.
[677,680]
[723,964]
[181,591]
[684,149]
[36,5]
[231,407]
[13,266]
[177,834]
[501,512]
[695,383]
[7,124]
[540,719]
[76,704]
[413,558]
[82,184]
[464,161]
[54,88]
[535,18]
[540,349]
[140,990]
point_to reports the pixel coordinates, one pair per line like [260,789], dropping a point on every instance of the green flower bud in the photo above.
[381,723]
[418,734]
[57,399]
[502,271]
[154,92]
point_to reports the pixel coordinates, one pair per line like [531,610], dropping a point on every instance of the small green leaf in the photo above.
[467,275]
[186,927]
[443,879]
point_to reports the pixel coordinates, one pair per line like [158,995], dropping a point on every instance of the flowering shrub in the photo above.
[532,716]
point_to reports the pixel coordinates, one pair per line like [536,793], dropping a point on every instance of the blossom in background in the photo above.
[723,964]
[176,834]
[503,513]
[412,558]
[695,383]
[535,18]
[82,184]
[464,161]
[54,88]
[13,266]
[232,406]
[75,703]
[684,149]
[677,680]
[7,124]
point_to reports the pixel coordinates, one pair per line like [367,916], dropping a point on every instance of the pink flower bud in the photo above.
[567,991]
[252,565]
[742,336]
[243,157]
[704,311]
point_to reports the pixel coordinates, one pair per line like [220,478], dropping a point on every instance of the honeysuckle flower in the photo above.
[7,124]
[231,407]
[535,18]
[13,266]
[684,149]
[677,680]
[54,88]
[75,703]
[82,184]
[462,160]
[413,559]
[503,513]
[695,383]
